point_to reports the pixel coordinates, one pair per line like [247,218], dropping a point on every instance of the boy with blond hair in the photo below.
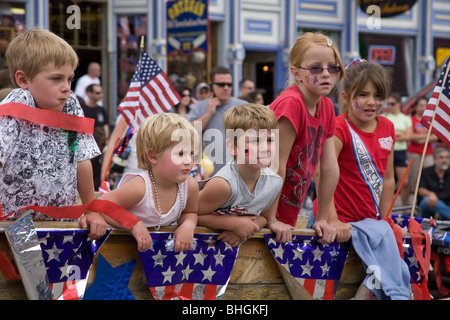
[236,198]
[42,164]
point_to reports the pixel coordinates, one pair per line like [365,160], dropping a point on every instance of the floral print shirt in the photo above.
[39,163]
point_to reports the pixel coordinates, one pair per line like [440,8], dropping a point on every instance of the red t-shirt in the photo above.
[414,147]
[305,153]
[352,198]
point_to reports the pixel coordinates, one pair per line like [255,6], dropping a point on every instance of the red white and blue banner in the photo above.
[201,273]
[53,264]
[316,267]
[68,256]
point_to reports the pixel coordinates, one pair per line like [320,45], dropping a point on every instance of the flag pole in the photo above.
[419,175]
[138,110]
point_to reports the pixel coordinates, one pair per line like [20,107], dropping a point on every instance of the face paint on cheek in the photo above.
[356,105]
[316,80]
[311,79]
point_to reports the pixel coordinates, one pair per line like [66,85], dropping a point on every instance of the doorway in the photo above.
[260,67]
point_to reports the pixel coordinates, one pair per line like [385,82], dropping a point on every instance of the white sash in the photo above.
[367,167]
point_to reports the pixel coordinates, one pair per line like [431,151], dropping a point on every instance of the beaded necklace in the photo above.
[158,210]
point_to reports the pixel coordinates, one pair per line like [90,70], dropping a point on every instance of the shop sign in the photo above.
[388,8]
[441,55]
[382,54]
[187,26]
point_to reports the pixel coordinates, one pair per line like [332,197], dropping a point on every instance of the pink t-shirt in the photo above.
[146,209]
[305,153]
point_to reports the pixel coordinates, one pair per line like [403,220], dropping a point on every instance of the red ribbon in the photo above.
[423,255]
[48,118]
[112,210]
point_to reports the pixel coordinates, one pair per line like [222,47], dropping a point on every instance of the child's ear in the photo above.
[231,147]
[151,157]
[22,79]
[296,74]
[345,97]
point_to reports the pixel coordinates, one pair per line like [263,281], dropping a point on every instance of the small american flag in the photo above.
[150,92]
[316,267]
[68,256]
[201,273]
[441,123]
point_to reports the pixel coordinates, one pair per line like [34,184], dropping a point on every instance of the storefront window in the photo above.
[130,30]
[12,21]
[195,68]
[89,33]
[396,54]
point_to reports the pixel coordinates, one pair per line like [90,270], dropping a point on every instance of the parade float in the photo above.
[56,260]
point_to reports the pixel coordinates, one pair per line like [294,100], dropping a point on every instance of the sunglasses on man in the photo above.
[223,84]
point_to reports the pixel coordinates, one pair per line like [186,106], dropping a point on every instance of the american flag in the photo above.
[316,267]
[201,273]
[68,256]
[150,92]
[441,123]
[234,211]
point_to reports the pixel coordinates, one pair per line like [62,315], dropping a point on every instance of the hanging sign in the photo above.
[388,8]
[187,26]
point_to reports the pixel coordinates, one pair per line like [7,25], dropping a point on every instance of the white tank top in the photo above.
[146,209]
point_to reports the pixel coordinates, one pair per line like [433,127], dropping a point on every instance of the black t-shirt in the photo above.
[98,114]
[430,181]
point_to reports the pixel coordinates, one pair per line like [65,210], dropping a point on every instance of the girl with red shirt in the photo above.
[364,143]
[306,122]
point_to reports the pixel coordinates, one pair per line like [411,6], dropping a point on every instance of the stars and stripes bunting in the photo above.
[201,273]
[441,123]
[68,255]
[316,267]
[150,92]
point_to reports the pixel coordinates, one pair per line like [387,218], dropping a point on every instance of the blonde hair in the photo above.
[357,76]
[305,42]
[32,50]
[158,132]
[239,119]
[249,116]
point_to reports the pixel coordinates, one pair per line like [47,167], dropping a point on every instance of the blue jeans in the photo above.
[440,208]
[311,221]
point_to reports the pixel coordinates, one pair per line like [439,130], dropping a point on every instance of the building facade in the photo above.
[252,37]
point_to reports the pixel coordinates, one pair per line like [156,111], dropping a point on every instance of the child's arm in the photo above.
[187,221]
[234,239]
[288,135]
[244,226]
[214,194]
[388,187]
[128,195]
[342,229]
[85,184]
[329,177]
